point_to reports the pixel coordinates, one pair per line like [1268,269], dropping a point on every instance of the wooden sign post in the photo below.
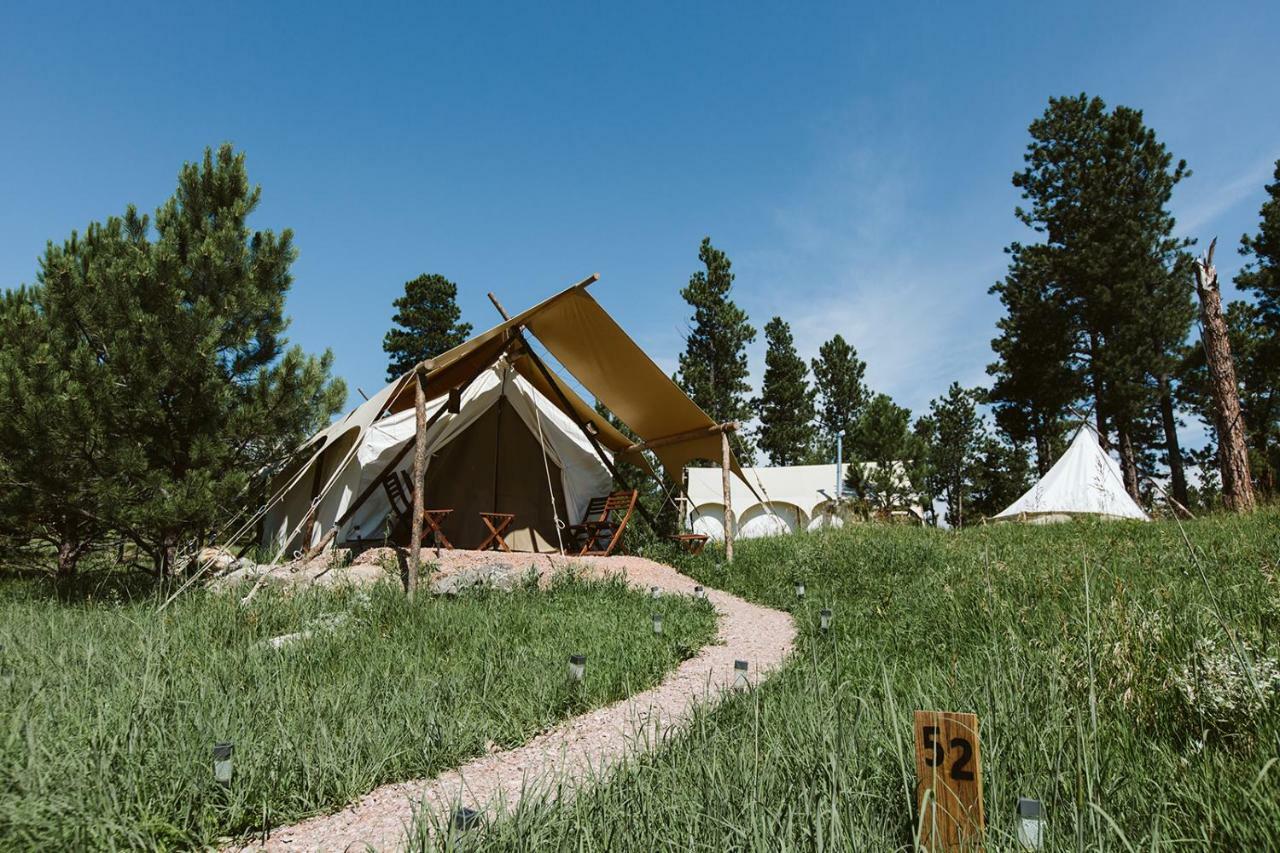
[949,791]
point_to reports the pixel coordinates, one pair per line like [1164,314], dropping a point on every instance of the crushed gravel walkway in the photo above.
[583,748]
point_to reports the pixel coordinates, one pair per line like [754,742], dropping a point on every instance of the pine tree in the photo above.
[955,434]
[1099,182]
[713,367]
[785,404]
[426,324]
[1002,475]
[1255,340]
[838,376]
[175,349]
[1035,380]
[887,460]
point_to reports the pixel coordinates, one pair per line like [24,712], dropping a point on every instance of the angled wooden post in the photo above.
[419,476]
[725,457]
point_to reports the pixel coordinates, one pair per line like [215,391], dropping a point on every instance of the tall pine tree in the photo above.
[1258,350]
[838,376]
[955,435]
[713,367]
[427,323]
[1098,183]
[174,345]
[785,405]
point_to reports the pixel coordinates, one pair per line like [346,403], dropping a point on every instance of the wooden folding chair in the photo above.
[602,524]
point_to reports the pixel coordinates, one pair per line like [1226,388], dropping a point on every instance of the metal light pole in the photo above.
[839,466]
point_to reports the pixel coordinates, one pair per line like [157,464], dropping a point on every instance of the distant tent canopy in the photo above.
[1085,481]
[769,501]
[507,434]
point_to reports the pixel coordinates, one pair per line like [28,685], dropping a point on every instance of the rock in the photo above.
[217,559]
[494,575]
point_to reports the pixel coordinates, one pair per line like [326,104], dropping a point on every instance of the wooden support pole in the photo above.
[1233,452]
[725,463]
[419,477]
[679,437]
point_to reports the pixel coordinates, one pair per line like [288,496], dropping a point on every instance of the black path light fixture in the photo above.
[699,592]
[1030,824]
[799,588]
[222,762]
[465,819]
[657,623]
[824,620]
[740,681]
[577,667]
[655,592]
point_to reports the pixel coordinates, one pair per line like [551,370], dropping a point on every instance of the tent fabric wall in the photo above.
[1084,481]
[490,453]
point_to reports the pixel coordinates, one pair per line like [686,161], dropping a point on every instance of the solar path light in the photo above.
[657,623]
[577,667]
[222,762]
[740,681]
[465,819]
[799,589]
[824,618]
[699,592]
[654,592]
[1030,824]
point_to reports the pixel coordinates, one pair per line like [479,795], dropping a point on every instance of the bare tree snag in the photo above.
[1233,454]
[419,480]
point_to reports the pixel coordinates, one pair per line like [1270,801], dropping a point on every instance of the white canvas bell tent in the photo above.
[1085,481]
[504,433]
[507,449]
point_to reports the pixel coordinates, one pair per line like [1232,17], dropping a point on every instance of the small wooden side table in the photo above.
[498,524]
[691,542]
[434,518]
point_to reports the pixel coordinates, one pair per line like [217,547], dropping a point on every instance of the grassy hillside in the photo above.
[107,729]
[1125,679]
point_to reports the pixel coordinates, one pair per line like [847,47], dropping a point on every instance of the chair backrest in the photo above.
[396,494]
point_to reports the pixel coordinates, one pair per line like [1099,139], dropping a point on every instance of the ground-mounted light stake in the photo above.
[699,592]
[1030,824]
[657,623]
[740,681]
[222,762]
[465,819]
[654,592]
[824,618]
[577,667]
[799,589]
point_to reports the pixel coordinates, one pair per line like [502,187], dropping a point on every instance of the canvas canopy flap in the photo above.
[1084,481]
[591,346]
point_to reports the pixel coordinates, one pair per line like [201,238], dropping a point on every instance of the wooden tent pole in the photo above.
[725,462]
[419,475]
[666,441]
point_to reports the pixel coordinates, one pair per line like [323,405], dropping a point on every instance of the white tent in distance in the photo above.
[1085,481]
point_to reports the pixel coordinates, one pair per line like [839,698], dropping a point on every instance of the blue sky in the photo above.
[854,161]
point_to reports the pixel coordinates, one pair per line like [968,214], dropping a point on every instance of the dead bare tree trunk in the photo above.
[1233,453]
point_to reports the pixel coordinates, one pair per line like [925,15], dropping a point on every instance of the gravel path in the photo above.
[579,749]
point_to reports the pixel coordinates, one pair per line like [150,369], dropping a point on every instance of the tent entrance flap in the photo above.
[467,476]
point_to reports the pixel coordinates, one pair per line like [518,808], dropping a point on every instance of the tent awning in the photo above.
[595,350]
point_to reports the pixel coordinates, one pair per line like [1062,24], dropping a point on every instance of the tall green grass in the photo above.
[1126,680]
[107,729]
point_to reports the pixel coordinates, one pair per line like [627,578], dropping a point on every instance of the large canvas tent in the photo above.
[785,499]
[505,433]
[1085,481]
